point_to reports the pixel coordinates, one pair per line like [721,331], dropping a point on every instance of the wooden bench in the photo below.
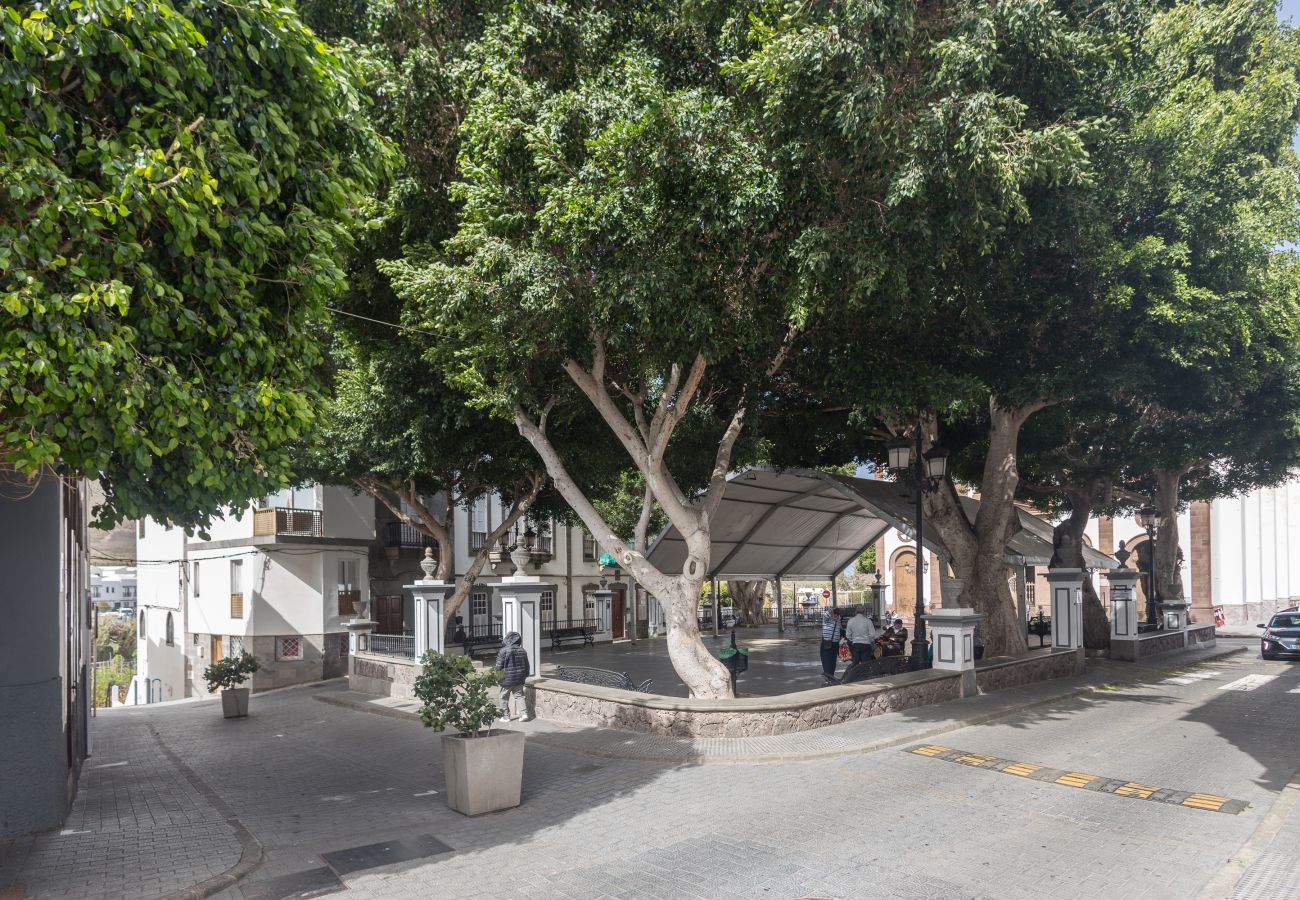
[575,633]
[472,642]
[601,678]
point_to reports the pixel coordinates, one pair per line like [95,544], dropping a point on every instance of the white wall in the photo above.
[161,589]
[347,513]
[1253,540]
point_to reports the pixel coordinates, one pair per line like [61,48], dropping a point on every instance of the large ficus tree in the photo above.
[643,234]
[178,178]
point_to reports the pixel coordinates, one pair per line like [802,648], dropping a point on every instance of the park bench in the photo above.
[487,638]
[873,668]
[584,634]
[601,678]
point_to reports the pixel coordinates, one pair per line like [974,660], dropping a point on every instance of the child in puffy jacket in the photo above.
[512,663]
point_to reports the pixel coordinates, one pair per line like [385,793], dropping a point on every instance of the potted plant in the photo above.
[484,766]
[228,674]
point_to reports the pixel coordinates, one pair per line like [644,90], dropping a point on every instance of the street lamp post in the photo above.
[1149,518]
[925,471]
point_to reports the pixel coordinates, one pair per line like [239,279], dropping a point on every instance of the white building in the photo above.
[278,581]
[282,580]
[115,585]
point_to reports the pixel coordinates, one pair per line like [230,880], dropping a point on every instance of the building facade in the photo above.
[279,580]
[563,555]
[282,580]
[44,651]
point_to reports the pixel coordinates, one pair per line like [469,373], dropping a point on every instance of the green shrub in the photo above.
[230,672]
[455,696]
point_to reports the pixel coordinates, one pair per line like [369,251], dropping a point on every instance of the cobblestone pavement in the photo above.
[138,827]
[310,778]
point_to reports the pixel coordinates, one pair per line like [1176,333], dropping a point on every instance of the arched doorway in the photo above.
[902,575]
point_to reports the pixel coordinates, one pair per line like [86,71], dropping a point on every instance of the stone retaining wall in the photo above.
[1162,642]
[1002,672]
[383,676]
[583,704]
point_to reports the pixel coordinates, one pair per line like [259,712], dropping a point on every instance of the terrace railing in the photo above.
[288,520]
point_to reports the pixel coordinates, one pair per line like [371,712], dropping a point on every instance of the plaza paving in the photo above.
[176,795]
[778,663]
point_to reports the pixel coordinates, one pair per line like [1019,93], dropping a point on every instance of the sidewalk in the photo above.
[859,736]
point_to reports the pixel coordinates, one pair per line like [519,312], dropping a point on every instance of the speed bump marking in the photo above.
[930,750]
[1082,780]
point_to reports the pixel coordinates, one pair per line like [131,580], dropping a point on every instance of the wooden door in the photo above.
[903,579]
[619,596]
[388,614]
[216,648]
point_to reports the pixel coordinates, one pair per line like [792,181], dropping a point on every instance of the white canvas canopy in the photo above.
[802,523]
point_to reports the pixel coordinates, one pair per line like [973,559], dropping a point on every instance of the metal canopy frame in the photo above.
[1034,532]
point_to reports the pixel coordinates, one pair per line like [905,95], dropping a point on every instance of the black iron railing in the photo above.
[551,625]
[399,534]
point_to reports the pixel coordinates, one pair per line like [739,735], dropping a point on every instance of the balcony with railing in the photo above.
[403,536]
[476,541]
[282,520]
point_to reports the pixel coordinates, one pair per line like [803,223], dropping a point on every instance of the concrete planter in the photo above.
[484,774]
[234,703]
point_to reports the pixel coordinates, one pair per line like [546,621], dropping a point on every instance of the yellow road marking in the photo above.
[1205,801]
[1076,779]
[1133,789]
[973,759]
[933,750]
[1022,768]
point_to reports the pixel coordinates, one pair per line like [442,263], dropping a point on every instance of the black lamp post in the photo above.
[1149,518]
[925,472]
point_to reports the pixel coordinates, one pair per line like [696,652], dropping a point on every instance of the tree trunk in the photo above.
[1167,562]
[1067,552]
[703,673]
[978,549]
[747,600]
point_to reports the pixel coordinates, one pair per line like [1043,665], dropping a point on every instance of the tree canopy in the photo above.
[174,221]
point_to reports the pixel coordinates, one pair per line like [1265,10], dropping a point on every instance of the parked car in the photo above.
[1281,638]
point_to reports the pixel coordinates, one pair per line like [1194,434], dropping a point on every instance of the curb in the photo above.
[1223,884]
[250,856]
[704,757]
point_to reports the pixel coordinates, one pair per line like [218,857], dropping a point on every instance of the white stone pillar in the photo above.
[1066,586]
[952,637]
[521,611]
[430,601]
[358,640]
[1123,613]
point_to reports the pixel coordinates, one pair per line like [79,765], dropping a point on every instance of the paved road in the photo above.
[308,778]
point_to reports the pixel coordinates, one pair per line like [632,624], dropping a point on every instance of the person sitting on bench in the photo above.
[894,640]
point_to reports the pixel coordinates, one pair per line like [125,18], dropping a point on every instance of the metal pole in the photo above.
[1155,589]
[918,635]
[780,618]
[717,608]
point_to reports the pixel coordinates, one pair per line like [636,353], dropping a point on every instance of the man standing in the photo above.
[514,666]
[830,647]
[862,635]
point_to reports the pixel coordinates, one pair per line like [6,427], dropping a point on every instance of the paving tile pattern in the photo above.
[138,828]
[309,778]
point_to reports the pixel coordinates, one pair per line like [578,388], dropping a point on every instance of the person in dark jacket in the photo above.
[512,663]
